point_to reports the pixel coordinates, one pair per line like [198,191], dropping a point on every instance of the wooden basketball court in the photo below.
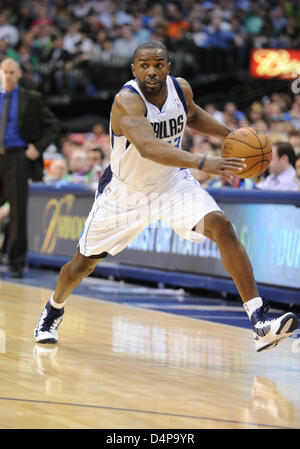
[122,367]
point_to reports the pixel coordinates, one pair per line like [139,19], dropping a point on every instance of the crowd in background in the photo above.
[63,44]
[86,155]
[55,41]
[278,116]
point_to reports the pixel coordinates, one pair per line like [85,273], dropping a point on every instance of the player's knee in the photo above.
[221,227]
[81,269]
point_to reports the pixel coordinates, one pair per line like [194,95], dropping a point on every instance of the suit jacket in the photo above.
[37,125]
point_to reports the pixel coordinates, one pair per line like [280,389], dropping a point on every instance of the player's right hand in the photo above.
[216,165]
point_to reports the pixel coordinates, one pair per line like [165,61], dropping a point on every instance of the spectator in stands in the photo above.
[295,141]
[62,18]
[256,112]
[24,17]
[158,32]
[124,46]
[6,51]
[261,125]
[219,36]
[230,120]
[57,171]
[295,113]
[42,17]
[234,182]
[99,44]
[61,44]
[290,36]
[68,146]
[96,138]
[8,32]
[106,148]
[278,19]
[101,51]
[72,37]
[78,166]
[55,67]
[212,110]
[198,33]
[231,108]
[141,33]
[155,14]
[281,168]
[95,157]
[113,16]
[107,52]
[203,146]
[81,8]
[95,167]
[254,21]
[176,24]
[297,168]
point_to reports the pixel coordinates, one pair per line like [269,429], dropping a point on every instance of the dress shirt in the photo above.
[284,181]
[13,137]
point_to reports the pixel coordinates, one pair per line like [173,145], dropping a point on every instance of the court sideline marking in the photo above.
[175,415]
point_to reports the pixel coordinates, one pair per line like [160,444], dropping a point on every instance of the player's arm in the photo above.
[198,119]
[128,118]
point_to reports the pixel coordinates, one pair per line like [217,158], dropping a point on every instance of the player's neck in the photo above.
[159,99]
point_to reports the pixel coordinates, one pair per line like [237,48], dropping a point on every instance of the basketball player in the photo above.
[148,180]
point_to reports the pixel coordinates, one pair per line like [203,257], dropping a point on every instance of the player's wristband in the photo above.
[202,163]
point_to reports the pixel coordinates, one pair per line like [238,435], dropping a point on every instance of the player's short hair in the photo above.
[151,46]
[288,149]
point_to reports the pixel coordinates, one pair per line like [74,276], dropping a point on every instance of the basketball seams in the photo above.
[256,155]
[245,143]
[262,167]
[249,169]
[254,133]
[262,160]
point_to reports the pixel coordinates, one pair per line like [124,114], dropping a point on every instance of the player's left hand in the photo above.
[32,152]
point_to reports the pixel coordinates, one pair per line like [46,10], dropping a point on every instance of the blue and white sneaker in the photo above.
[46,328]
[269,332]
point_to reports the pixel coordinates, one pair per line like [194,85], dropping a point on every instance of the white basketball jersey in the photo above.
[168,124]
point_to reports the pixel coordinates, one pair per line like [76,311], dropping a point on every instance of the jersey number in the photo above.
[175,142]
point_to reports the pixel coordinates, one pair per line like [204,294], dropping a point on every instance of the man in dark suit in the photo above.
[27,128]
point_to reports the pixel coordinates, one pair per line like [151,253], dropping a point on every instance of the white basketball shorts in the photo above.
[121,212]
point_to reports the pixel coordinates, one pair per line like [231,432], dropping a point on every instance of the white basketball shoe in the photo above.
[46,328]
[268,332]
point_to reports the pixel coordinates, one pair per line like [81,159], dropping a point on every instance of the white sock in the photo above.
[56,305]
[253,304]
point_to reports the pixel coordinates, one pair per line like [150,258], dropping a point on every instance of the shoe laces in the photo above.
[265,307]
[50,319]
[56,323]
[258,315]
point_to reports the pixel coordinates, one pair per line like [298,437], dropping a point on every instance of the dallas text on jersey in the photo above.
[168,128]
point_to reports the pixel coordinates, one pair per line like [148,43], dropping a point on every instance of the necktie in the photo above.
[3,121]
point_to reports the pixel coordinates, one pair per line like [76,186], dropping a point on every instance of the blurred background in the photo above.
[242,59]
[78,54]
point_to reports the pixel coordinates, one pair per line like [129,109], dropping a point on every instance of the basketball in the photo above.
[252,145]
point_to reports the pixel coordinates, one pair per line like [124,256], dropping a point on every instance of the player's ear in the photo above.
[169,68]
[133,69]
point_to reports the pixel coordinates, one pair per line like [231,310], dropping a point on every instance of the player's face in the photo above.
[151,68]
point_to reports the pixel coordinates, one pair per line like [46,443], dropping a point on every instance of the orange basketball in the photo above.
[252,145]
